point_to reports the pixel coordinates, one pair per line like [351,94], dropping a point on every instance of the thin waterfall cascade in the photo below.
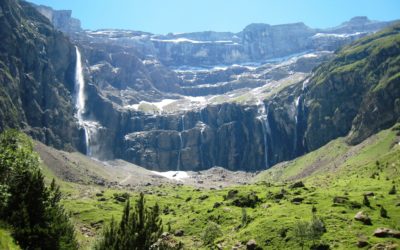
[296,119]
[178,167]
[202,129]
[263,118]
[79,88]
[91,128]
[183,122]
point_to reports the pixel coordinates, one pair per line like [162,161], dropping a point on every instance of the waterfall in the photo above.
[296,114]
[203,127]
[183,122]
[178,167]
[90,127]
[79,88]
[263,118]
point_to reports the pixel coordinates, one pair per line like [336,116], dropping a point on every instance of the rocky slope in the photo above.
[37,77]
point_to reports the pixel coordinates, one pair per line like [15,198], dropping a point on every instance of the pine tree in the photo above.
[244,217]
[138,229]
[393,190]
[366,201]
[383,212]
[32,208]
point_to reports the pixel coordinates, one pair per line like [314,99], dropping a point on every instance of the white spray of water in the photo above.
[90,127]
[202,129]
[178,167]
[263,118]
[296,114]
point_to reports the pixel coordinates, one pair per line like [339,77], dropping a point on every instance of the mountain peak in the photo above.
[358,20]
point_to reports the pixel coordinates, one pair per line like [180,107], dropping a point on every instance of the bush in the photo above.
[138,229]
[301,232]
[312,230]
[121,197]
[211,232]
[243,200]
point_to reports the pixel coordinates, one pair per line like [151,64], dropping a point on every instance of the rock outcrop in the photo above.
[36,77]
[61,19]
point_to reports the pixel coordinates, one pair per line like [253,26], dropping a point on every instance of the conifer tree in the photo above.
[32,208]
[138,229]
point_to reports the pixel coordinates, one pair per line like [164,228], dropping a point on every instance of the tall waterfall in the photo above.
[178,167]
[263,118]
[203,127]
[79,88]
[90,127]
[296,114]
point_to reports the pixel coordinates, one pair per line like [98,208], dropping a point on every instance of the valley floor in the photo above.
[265,208]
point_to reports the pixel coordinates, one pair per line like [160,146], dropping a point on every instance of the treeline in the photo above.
[27,204]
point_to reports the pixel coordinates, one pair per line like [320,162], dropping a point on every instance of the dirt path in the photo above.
[126,179]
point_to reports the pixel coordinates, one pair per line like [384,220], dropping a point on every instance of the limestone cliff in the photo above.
[37,77]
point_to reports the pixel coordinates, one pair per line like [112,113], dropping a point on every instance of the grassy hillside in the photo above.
[272,207]
[336,158]
[6,240]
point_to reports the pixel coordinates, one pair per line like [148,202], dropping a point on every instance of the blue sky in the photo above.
[163,16]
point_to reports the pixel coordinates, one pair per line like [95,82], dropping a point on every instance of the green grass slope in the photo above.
[6,240]
[335,170]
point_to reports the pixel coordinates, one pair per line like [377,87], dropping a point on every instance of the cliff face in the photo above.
[356,92]
[339,97]
[61,19]
[37,76]
[256,43]
[263,41]
[200,114]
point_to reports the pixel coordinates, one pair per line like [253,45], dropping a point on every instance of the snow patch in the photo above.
[96,67]
[160,105]
[198,99]
[318,35]
[186,40]
[173,175]
[310,55]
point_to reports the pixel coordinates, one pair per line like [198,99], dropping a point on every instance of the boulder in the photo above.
[203,197]
[361,216]
[179,233]
[362,243]
[385,246]
[298,184]
[369,194]
[297,199]
[252,245]
[383,232]
[340,199]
